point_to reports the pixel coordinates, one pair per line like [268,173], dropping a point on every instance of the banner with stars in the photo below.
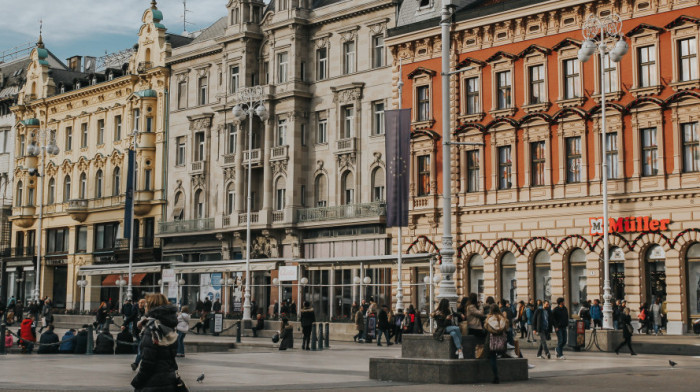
[398,155]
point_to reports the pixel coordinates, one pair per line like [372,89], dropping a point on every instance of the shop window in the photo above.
[693,260]
[473,171]
[476,276]
[578,283]
[509,283]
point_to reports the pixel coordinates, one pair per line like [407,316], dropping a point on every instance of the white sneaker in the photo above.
[562,357]
[530,366]
[540,357]
[460,355]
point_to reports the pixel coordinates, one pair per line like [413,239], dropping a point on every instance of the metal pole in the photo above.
[246,296]
[129,288]
[82,296]
[399,285]
[279,299]
[448,289]
[607,305]
[300,301]
[40,196]
[432,290]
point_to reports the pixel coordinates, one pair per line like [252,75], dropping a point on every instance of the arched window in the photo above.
[179,206]
[18,194]
[655,274]
[52,191]
[117,182]
[280,189]
[83,186]
[378,184]
[578,283]
[543,267]
[476,276]
[509,284]
[321,191]
[348,187]
[148,54]
[198,205]
[66,189]
[99,179]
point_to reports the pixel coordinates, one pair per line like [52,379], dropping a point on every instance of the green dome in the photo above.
[31,122]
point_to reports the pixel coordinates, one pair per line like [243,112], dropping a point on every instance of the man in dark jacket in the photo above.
[543,328]
[207,305]
[48,343]
[81,340]
[104,344]
[217,306]
[157,371]
[560,321]
[383,326]
[130,313]
[259,325]
[308,318]
[125,342]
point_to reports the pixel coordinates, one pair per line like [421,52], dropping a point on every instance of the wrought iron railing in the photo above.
[187,226]
[347,211]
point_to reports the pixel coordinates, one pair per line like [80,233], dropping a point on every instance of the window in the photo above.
[99,178]
[423,175]
[83,135]
[66,189]
[572,79]
[52,191]
[106,236]
[649,152]
[348,182]
[266,71]
[303,196]
[81,239]
[18,194]
[147,179]
[691,148]
[505,167]
[378,116]
[282,65]
[349,57]
[203,85]
[137,120]
[198,205]
[233,86]
[348,122]
[504,90]
[303,134]
[322,134]
[688,59]
[424,3]
[537,154]
[537,85]
[321,189]
[21,145]
[69,139]
[199,146]
[180,155]
[610,68]
[282,4]
[611,154]
[149,124]
[182,95]
[280,190]
[647,66]
[281,138]
[117,128]
[423,93]
[83,186]
[302,70]
[57,241]
[378,182]
[117,180]
[378,51]
[472,88]
[321,63]
[231,140]
[4,147]
[473,171]
[100,132]
[30,196]
[573,159]
[230,199]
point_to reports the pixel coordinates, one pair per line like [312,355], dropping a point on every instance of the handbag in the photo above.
[630,329]
[180,385]
[464,327]
[276,338]
[497,343]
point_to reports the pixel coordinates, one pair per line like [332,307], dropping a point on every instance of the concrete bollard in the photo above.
[2,343]
[313,337]
[320,336]
[328,334]
[90,341]
[238,332]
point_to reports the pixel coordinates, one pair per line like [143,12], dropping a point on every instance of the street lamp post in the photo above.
[121,283]
[41,149]
[250,103]
[180,283]
[601,32]
[130,286]
[82,283]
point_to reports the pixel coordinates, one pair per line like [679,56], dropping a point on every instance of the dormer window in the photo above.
[282,4]
[110,76]
[423,3]
[94,80]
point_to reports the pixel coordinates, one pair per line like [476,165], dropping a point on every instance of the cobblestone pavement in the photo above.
[343,367]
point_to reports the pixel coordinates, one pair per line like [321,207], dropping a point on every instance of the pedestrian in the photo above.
[48,342]
[359,326]
[411,317]
[286,335]
[9,340]
[259,325]
[272,310]
[158,369]
[101,317]
[585,314]
[104,343]
[142,320]
[530,314]
[655,313]
[183,326]
[627,330]
[216,307]
[496,325]
[522,319]
[475,323]
[207,305]
[199,307]
[292,307]
[597,314]
[203,323]
[19,311]
[398,325]
[308,318]
[510,316]
[383,326]
[130,313]
[443,317]
[364,306]
[616,313]
[27,334]
[560,321]
[67,342]
[543,328]
[81,340]
[125,341]
[642,317]
[46,319]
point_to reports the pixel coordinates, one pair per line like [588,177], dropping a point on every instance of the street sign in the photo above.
[168,275]
[287,273]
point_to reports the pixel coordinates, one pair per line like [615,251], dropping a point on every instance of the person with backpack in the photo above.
[530,315]
[496,325]
[597,314]
[543,328]
[398,325]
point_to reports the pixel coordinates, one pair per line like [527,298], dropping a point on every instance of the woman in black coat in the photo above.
[158,370]
[308,318]
[627,330]
[286,335]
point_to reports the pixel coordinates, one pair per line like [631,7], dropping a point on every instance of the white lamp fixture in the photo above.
[367,280]
[356,280]
[304,281]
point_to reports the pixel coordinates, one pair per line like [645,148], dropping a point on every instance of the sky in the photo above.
[91,27]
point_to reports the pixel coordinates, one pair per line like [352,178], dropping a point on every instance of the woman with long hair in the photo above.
[101,317]
[627,330]
[496,325]
[475,319]
[443,319]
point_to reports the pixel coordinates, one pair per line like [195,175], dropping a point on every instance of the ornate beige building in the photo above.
[91,117]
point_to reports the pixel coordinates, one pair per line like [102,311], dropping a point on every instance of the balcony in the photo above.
[254,218]
[197,167]
[144,66]
[78,209]
[22,252]
[350,211]
[252,157]
[23,216]
[187,226]
[279,153]
[139,243]
[146,140]
[229,160]
[346,145]
[277,216]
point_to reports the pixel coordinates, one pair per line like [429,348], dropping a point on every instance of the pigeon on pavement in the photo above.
[670,362]
[200,378]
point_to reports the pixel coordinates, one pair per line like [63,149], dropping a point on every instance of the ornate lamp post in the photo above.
[82,283]
[121,283]
[605,34]
[250,103]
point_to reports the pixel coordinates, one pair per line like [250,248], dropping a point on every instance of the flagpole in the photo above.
[399,285]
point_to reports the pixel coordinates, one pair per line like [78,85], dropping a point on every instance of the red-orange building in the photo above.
[525,202]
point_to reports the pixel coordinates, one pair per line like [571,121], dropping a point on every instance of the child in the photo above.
[8,339]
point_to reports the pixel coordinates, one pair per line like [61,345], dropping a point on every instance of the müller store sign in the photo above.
[630,224]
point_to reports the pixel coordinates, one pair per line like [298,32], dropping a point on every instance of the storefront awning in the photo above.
[108,269]
[111,280]
[226,266]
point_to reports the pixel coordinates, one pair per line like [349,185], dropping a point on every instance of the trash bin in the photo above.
[576,338]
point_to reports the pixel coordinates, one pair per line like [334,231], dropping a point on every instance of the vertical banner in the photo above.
[398,144]
[128,213]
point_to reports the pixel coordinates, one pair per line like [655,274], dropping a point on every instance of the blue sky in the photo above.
[91,27]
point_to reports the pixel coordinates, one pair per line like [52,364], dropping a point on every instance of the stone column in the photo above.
[241,144]
[675,288]
[268,129]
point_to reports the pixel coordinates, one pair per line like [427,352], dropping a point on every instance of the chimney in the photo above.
[74,63]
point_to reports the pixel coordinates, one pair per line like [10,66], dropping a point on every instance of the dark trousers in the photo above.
[305,341]
[561,341]
[598,323]
[628,342]
[523,329]
[494,366]
[543,344]
[255,330]
[397,336]
[385,332]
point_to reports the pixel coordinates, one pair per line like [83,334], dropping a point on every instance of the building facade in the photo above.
[527,204]
[92,117]
[317,193]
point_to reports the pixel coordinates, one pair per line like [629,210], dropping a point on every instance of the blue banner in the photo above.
[398,155]
[128,212]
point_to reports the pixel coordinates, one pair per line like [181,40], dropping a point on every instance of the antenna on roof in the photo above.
[184,17]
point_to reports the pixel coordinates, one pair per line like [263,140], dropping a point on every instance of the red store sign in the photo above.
[630,224]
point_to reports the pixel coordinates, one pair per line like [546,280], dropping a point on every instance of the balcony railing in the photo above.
[187,226]
[139,243]
[348,144]
[348,211]
[280,152]
[78,204]
[144,66]
[22,251]
[252,156]
[197,167]
[277,216]
[254,218]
